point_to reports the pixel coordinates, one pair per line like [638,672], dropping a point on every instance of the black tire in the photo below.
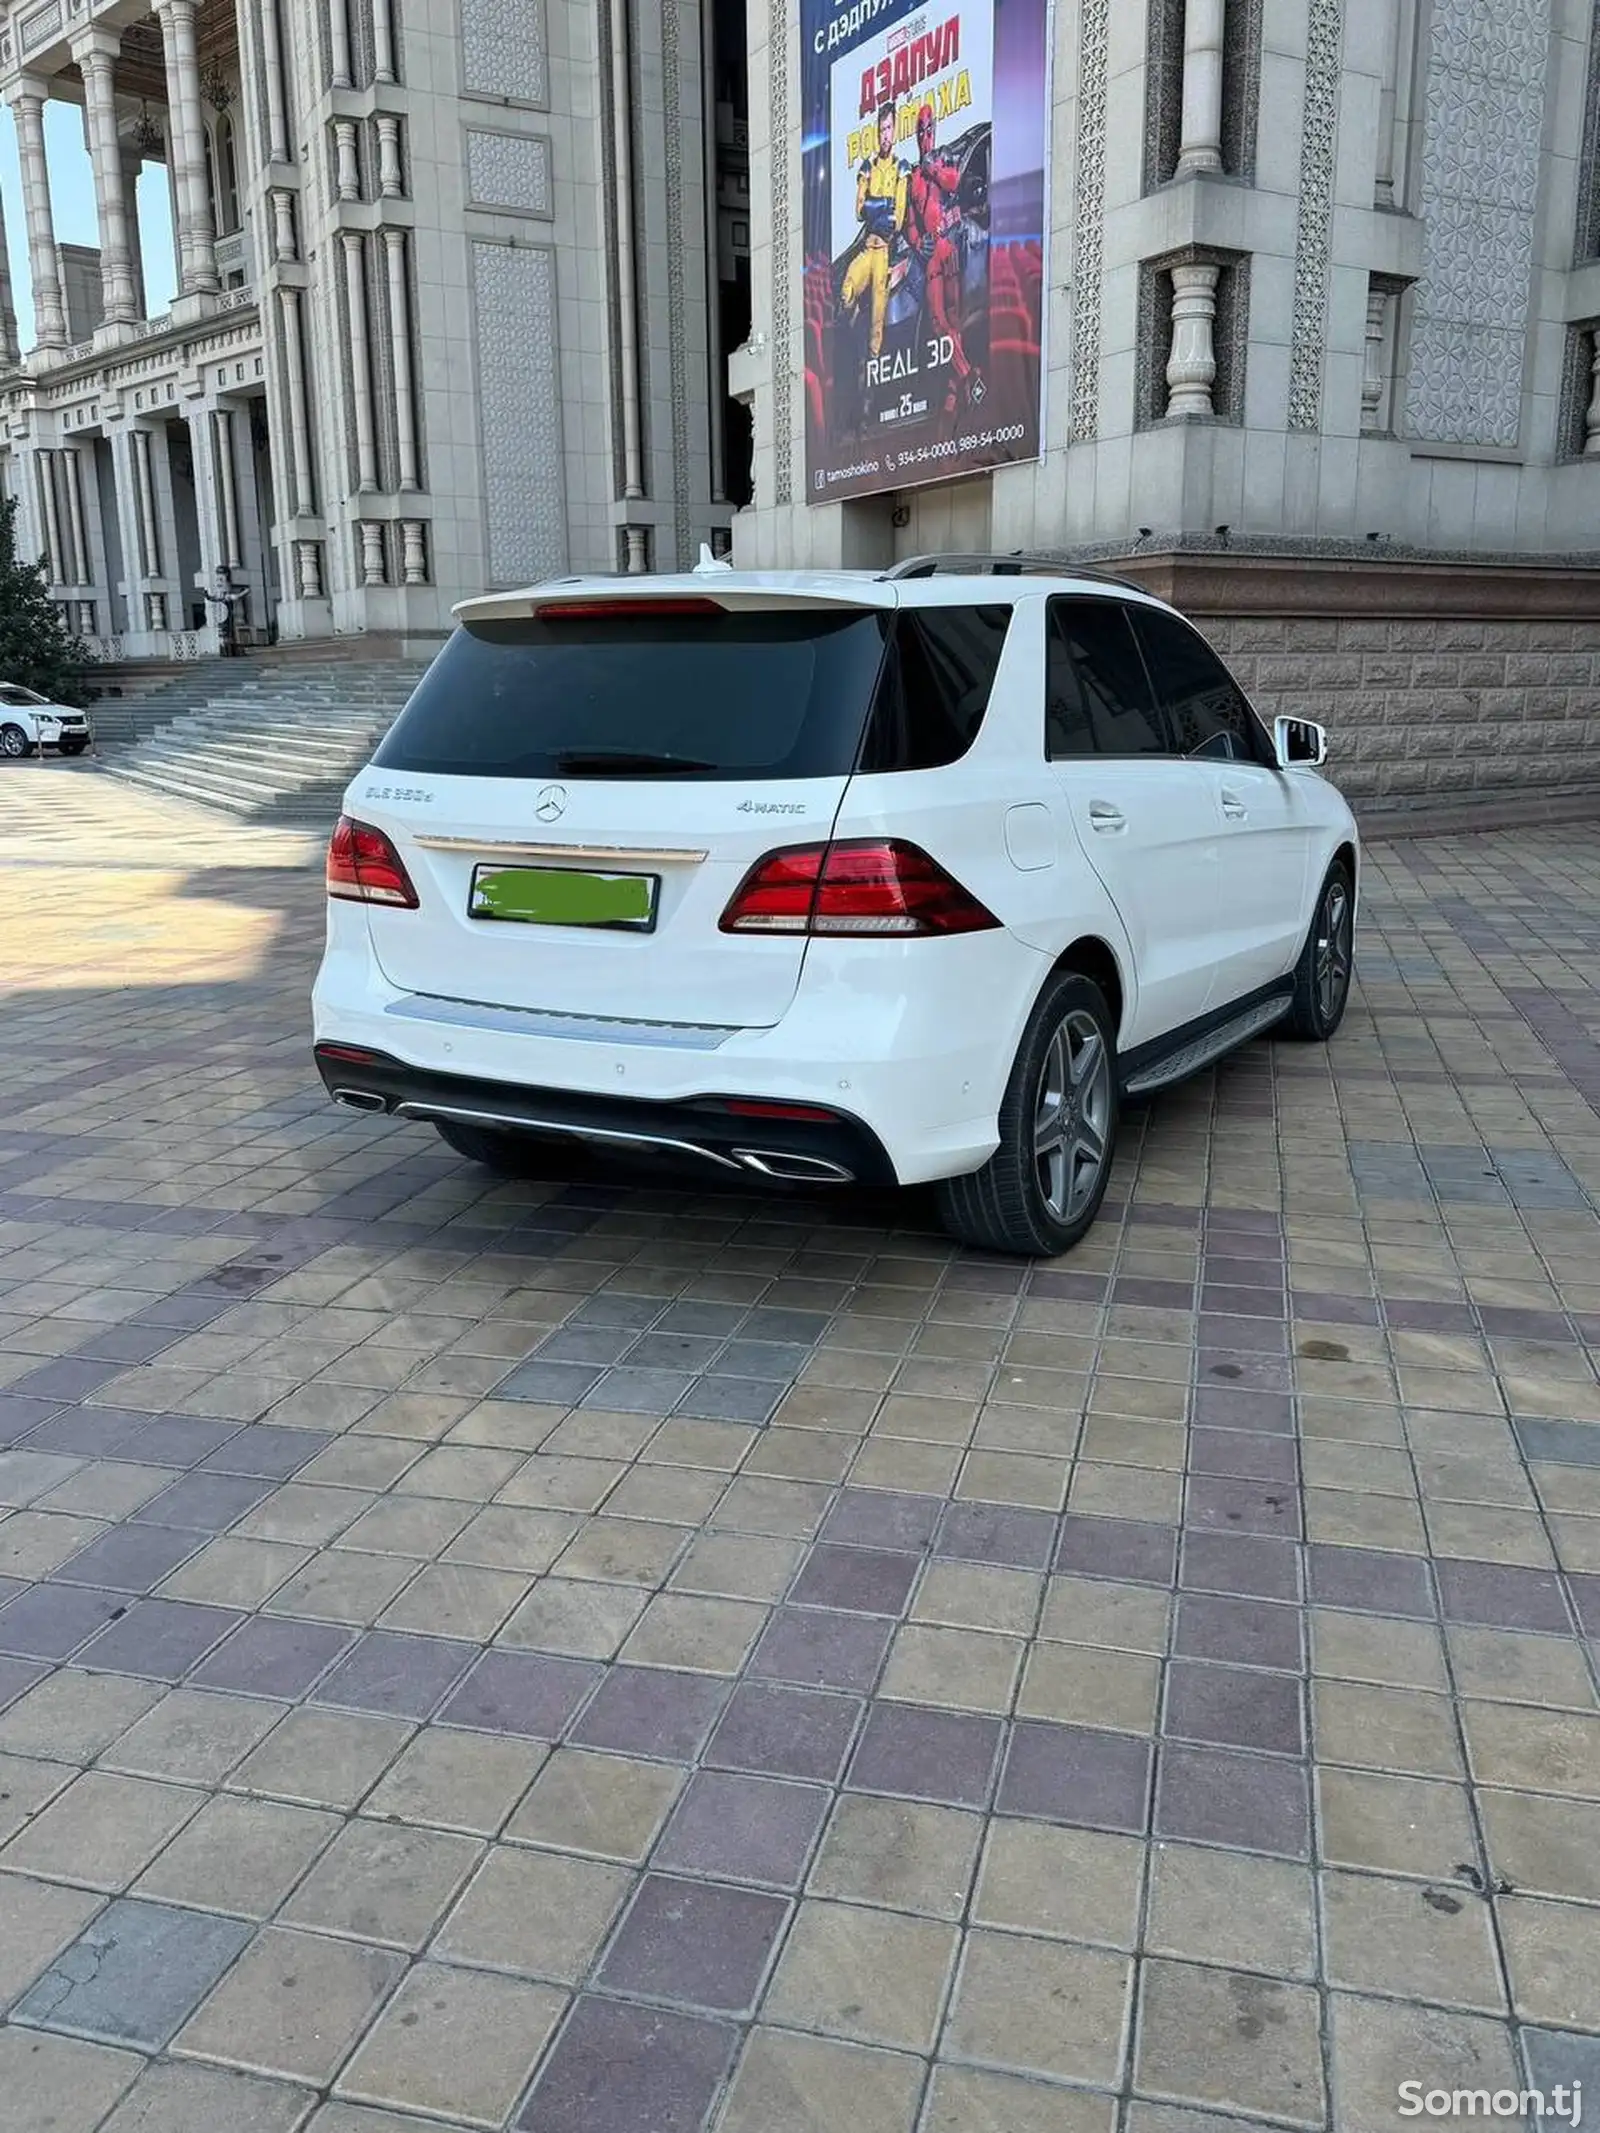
[14,743]
[1020,1202]
[72,747]
[1327,961]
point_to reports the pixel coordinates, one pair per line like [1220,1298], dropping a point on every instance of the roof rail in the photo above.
[1017,564]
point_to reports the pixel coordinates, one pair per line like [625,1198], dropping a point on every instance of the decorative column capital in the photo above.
[96,48]
[27,92]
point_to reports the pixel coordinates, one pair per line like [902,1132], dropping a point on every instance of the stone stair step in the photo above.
[269,744]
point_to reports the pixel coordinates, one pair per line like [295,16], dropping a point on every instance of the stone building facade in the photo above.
[457,281]
[1320,270]
[1319,335]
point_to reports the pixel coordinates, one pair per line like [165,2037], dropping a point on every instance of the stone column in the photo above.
[149,535]
[372,571]
[339,43]
[355,289]
[283,239]
[9,350]
[1192,367]
[391,178]
[1372,378]
[1394,104]
[228,495]
[1200,146]
[405,403]
[207,503]
[130,532]
[347,163]
[305,502]
[414,551]
[96,55]
[78,552]
[272,71]
[132,167]
[382,41]
[196,230]
[50,517]
[1591,421]
[49,310]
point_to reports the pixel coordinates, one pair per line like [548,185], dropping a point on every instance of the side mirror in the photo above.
[1298,744]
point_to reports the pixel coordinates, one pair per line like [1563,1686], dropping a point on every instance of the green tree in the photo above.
[36,647]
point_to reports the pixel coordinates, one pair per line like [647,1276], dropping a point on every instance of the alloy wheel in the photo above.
[1072,1115]
[1333,951]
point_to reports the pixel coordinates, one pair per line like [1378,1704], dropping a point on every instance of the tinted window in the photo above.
[937,682]
[1097,694]
[12,692]
[1204,705]
[779,693]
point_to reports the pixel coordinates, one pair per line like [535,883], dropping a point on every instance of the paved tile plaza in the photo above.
[602,1656]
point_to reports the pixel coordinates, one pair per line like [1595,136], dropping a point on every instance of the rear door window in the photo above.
[1097,692]
[937,681]
[709,694]
[1206,709]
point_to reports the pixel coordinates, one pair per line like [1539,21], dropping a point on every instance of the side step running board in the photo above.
[1202,1051]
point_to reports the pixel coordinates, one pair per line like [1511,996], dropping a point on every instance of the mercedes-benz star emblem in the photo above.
[551,804]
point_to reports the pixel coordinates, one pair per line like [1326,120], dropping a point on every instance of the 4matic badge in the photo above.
[772,807]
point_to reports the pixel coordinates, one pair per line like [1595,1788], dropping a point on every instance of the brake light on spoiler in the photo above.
[607,610]
[858,886]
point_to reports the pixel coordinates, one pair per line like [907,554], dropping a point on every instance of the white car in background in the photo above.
[29,722]
[897,878]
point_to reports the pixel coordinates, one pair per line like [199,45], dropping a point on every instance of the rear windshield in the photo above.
[773,693]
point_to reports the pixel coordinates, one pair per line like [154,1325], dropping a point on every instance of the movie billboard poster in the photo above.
[924,153]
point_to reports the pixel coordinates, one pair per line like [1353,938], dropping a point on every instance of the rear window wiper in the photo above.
[617,762]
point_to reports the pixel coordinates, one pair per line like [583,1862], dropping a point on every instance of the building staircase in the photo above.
[267,741]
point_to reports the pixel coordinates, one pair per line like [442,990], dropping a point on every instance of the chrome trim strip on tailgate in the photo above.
[549,1022]
[494,848]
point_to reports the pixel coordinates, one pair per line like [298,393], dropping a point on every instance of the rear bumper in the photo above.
[838,1150]
[909,1044]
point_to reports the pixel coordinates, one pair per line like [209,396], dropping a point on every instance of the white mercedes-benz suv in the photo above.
[900,878]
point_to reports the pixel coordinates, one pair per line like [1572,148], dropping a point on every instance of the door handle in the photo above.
[1233,807]
[1108,820]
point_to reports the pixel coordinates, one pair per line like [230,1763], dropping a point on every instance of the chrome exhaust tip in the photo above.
[793,1169]
[360,1100]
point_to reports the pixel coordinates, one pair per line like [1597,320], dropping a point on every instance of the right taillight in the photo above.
[365,868]
[861,886]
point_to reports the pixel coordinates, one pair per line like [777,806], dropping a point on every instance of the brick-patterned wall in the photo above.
[1424,711]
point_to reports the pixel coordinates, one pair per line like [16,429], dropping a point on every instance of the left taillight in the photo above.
[365,868]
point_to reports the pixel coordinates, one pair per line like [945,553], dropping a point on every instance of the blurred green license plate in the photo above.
[556,896]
